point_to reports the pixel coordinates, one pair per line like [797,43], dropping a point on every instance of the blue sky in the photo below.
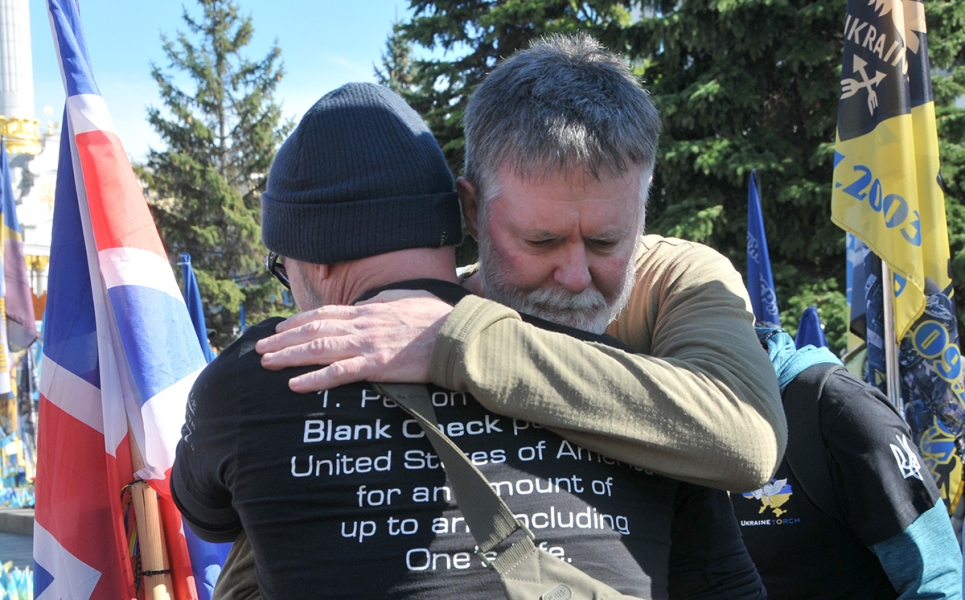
[324,44]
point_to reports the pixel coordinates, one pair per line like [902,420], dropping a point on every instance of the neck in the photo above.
[349,280]
[473,283]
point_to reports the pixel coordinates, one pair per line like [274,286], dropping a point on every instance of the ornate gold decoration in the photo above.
[37,262]
[21,136]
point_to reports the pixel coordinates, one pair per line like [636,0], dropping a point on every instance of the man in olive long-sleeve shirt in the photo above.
[347,469]
[697,401]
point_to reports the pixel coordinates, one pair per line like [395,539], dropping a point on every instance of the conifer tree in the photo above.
[221,127]
[397,71]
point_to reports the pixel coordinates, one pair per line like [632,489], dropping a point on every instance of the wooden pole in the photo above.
[156,580]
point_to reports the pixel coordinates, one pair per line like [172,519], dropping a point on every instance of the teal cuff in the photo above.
[924,560]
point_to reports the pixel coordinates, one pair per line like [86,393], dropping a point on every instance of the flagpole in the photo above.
[156,579]
[889,342]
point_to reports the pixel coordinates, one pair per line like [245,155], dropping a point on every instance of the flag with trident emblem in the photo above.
[887,193]
[886,189]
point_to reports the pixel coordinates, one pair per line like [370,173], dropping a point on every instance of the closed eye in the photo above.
[605,245]
[542,242]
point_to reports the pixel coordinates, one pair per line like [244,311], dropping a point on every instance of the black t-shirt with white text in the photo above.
[342,495]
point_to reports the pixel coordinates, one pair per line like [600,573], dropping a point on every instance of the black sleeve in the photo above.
[707,555]
[880,479]
[204,461]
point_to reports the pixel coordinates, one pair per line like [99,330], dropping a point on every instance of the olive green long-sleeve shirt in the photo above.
[698,402]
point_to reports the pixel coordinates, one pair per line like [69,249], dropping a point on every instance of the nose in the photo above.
[573,273]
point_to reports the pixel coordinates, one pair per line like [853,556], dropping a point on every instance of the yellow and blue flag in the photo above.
[18,303]
[6,191]
[886,189]
[887,194]
[17,328]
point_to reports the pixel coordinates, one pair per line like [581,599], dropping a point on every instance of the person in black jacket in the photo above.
[852,512]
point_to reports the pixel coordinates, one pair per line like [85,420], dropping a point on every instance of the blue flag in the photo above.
[760,283]
[809,330]
[192,298]
[867,308]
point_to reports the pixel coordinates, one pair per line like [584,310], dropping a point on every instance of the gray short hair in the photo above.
[564,103]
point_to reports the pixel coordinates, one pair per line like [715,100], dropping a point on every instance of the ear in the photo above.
[470,205]
[316,272]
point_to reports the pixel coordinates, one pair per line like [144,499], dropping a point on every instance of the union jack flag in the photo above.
[120,355]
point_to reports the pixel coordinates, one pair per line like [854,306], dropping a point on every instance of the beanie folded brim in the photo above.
[315,232]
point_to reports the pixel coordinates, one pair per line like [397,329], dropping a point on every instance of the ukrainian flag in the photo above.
[7,414]
[887,194]
[886,189]
[18,304]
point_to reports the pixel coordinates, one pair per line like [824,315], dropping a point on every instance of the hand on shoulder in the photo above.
[388,338]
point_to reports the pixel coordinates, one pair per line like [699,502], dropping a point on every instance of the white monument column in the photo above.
[17,83]
[32,157]
[20,128]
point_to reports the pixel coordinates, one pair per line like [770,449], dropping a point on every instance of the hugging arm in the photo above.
[698,402]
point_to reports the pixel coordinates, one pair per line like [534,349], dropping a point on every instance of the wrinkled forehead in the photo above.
[576,175]
[559,201]
[573,166]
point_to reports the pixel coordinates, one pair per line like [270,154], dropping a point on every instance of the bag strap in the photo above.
[490,521]
[806,453]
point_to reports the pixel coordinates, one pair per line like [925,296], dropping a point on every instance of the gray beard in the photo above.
[587,311]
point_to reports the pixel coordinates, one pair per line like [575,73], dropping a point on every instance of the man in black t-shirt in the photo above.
[852,512]
[340,493]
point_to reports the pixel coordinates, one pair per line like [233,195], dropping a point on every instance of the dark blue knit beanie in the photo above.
[361,175]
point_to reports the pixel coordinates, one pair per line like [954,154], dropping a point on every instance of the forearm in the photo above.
[238,579]
[685,419]
[924,560]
